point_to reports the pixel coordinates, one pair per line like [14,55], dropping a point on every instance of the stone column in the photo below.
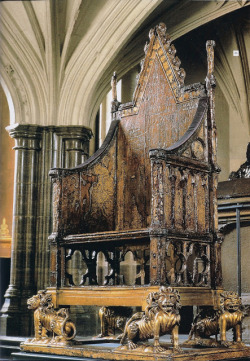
[62,147]
[15,319]
[37,150]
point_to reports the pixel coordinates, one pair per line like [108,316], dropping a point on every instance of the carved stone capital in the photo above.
[27,137]
[73,132]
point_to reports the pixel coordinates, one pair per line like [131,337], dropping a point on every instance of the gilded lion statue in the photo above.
[161,316]
[229,316]
[49,321]
[113,319]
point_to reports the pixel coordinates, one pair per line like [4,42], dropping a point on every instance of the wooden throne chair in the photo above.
[149,190]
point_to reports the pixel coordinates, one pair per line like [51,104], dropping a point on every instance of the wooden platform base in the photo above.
[114,351]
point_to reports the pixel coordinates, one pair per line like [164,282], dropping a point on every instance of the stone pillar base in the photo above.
[16,324]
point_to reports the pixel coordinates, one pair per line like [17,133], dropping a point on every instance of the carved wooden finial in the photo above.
[244,170]
[162,29]
[114,103]
[210,79]
[114,87]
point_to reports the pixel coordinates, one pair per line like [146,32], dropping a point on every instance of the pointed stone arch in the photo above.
[23,73]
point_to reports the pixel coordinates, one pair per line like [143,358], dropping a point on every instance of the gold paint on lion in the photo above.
[161,316]
[49,321]
[113,319]
[229,316]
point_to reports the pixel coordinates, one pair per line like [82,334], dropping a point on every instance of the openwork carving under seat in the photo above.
[142,211]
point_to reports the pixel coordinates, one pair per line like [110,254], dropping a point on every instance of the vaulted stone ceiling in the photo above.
[57,56]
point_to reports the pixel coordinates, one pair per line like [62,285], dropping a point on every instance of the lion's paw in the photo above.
[226,343]
[100,335]
[159,349]
[34,340]
[59,339]
[45,340]
[131,345]
[238,344]
[29,340]
[40,340]
[177,349]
